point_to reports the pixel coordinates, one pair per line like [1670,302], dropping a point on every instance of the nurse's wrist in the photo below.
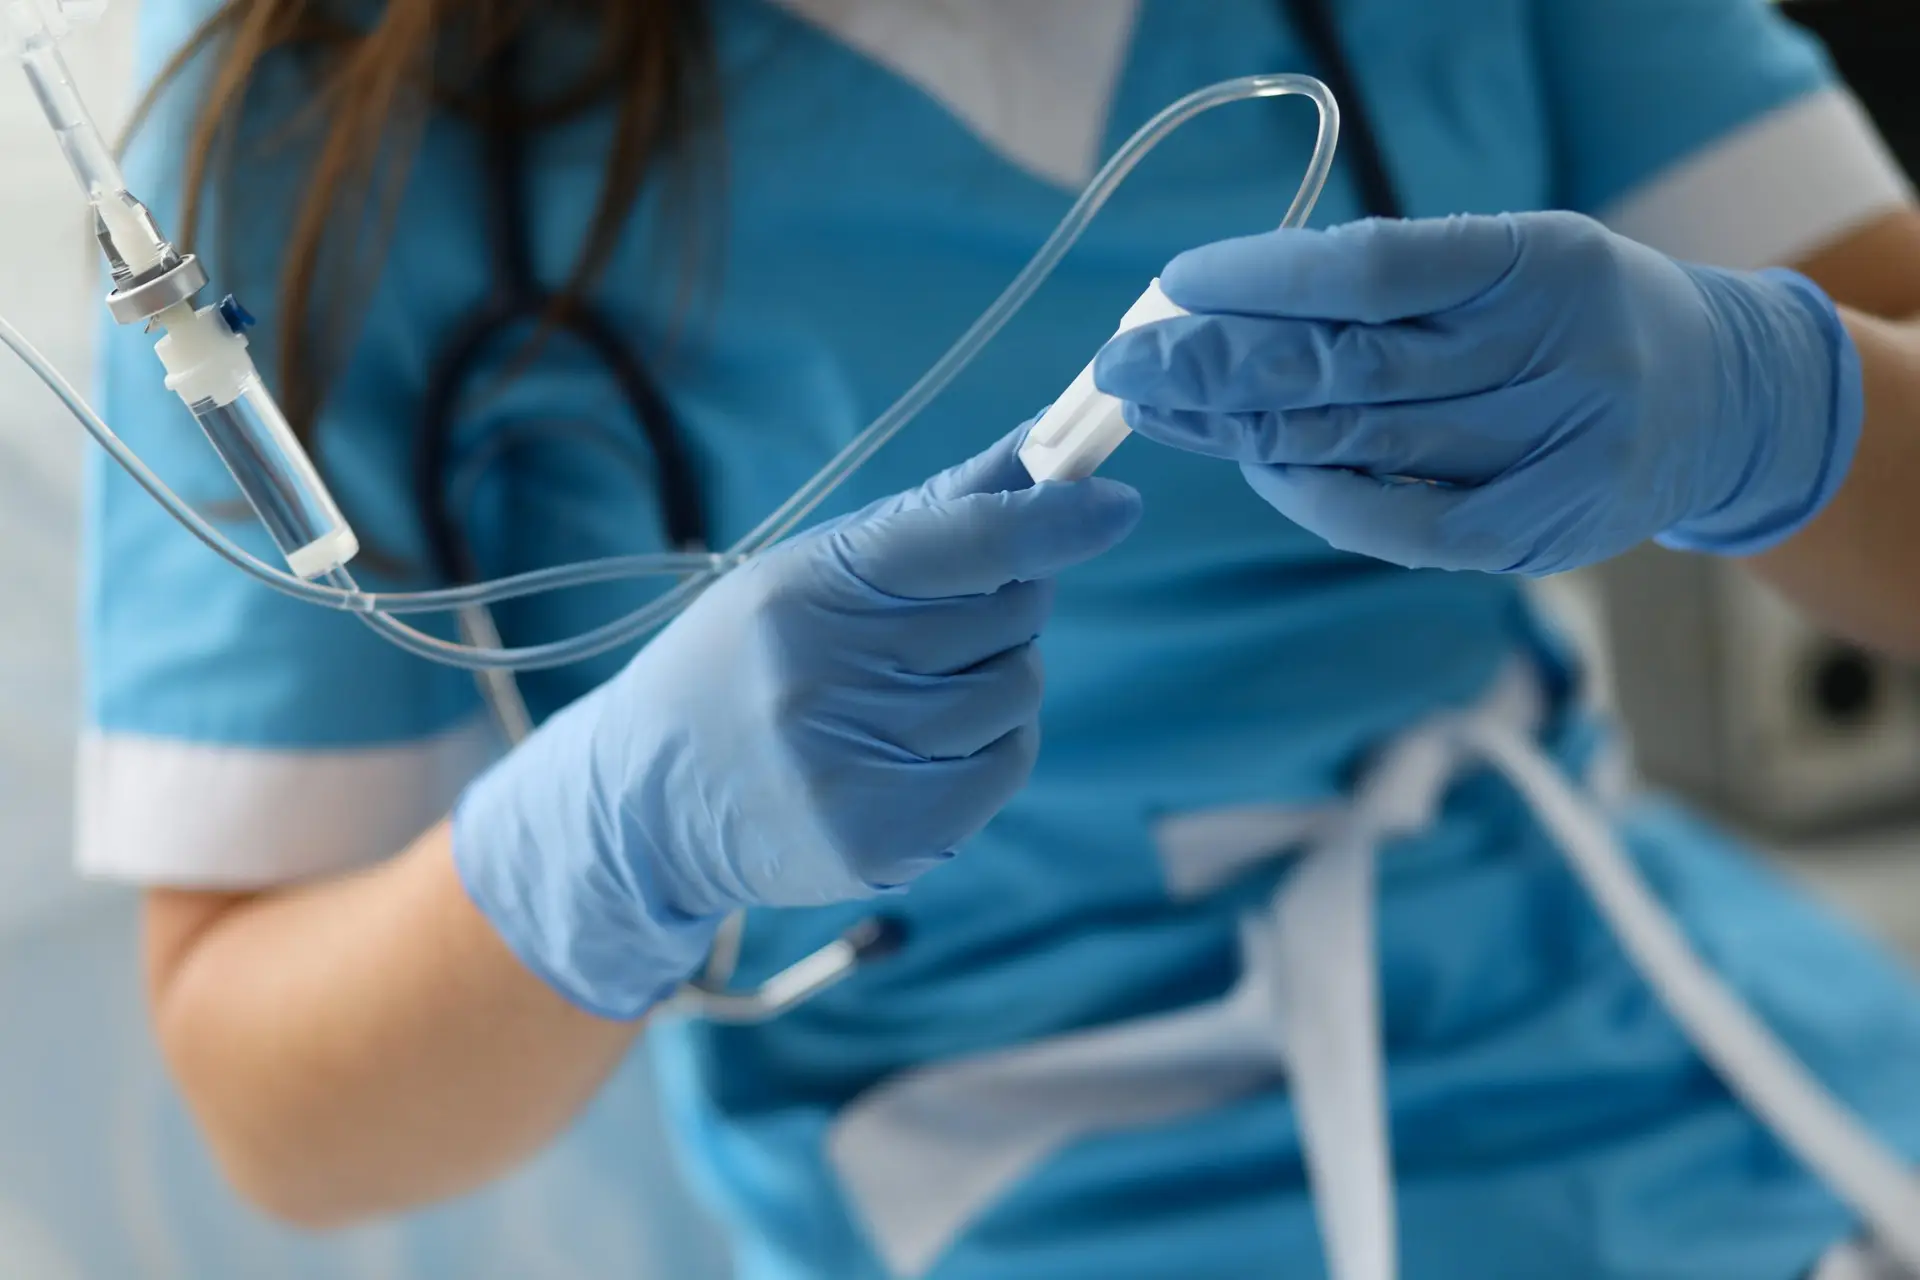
[556,867]
[600,934]
[1803,429]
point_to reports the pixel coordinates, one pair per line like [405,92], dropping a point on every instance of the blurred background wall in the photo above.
[44,276]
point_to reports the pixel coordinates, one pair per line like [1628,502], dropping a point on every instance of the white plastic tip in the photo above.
[1076,435]
[324,554]
[132,239]
[1085,425]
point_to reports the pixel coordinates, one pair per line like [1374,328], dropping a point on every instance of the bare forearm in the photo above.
[367,1043]
[1857,567]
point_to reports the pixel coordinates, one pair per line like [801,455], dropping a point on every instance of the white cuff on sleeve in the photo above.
[1785,186]
[194,815]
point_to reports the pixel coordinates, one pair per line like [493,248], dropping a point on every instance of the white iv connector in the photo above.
[1085,425]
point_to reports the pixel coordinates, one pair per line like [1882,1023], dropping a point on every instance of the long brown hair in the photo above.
[373,86]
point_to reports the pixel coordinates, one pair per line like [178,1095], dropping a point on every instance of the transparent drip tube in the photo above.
[80,141]
[125,231]
[281,484]
[381,611]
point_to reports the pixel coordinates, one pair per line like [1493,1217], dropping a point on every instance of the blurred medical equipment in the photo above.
[1733,697]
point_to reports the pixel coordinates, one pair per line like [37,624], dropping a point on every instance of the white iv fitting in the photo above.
[1085,425]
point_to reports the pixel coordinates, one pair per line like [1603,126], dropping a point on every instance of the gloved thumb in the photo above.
[992,470]
[977,543]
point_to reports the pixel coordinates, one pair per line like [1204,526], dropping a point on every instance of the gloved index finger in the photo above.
[978,543]
[1374,272]
[996,469]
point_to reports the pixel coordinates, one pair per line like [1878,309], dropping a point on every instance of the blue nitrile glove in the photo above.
[1573,392]
[826,723]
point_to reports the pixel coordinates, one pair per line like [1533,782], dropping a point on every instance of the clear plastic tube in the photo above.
[80,139]
[697,572]
[126,232]
[277,477]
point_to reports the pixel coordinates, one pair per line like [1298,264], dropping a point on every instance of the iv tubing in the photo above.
[609,569]
[697,572]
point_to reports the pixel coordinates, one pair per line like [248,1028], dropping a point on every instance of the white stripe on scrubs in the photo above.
[209,816]
[1786,185]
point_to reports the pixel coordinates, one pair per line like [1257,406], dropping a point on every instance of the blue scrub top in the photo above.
[1544,1108]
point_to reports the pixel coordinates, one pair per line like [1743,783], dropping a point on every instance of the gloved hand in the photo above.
[1573,393]
[826,723]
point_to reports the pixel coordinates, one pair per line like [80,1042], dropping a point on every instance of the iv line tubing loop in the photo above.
[381,610]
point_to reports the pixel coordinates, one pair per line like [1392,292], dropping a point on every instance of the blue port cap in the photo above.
[238,318]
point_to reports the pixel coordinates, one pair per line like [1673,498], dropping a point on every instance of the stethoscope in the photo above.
[444,487]
[444,482]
